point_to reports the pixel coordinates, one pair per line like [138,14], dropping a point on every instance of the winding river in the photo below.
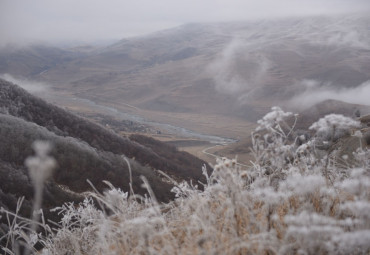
[169,129]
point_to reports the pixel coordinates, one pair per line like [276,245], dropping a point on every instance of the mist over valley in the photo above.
[259,122]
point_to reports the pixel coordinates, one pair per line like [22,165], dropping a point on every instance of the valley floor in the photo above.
[179,129]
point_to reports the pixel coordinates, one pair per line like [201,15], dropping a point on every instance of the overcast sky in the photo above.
[82,21]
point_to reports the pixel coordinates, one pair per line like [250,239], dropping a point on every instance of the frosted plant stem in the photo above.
[130,172]
[40,168]
[37,201]
[36,206]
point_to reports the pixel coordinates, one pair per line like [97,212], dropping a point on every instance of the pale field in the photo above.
[218,125]
[239,150]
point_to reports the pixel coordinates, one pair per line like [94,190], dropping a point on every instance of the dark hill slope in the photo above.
[77,162]
[18,102]
[82,149]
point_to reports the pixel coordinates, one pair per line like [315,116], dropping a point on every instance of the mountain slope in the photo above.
[30,61]
[206,63]
[82,149]
[20,103]
[312,114]
[201,76]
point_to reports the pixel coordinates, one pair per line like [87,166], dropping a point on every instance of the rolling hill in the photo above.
[202,76]
[82,149]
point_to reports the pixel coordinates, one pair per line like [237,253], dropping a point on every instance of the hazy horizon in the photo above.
[82,21]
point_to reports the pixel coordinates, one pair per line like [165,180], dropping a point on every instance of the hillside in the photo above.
[83,150]
[35,59]
[326,107]
[206,76]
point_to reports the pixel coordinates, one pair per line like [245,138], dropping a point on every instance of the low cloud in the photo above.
[30,86]
[315,92]
[238,70]
[347,31]
[351,38]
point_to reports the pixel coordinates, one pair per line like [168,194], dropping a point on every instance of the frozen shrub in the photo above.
[333,126]
[291,200]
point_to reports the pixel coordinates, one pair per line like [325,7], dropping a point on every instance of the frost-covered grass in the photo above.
[294,199]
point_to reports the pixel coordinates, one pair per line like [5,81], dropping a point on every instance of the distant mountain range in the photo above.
[83,150]
[228,69]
